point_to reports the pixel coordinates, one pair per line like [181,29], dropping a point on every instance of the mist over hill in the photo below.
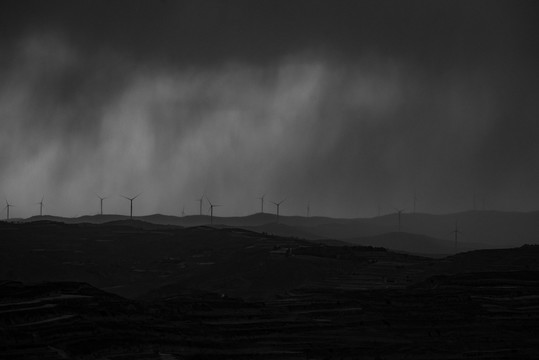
[477,229]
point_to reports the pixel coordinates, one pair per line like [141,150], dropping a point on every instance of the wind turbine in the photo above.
[101,202]
[262,203]
[278,204]
[399,212]
[200,201]
[456,232]
[131,207]
[41,206]
[211,209]
[183,211]
[308,208]
[8,205]
[415,200]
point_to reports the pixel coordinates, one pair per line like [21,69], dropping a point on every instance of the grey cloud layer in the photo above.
[347,136]
[349,105]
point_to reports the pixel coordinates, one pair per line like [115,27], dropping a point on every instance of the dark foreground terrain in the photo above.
[140,291]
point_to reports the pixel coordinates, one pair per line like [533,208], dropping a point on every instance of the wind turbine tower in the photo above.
[262,203]
[456,232]
[131,204]
[101,203]
[399,213]
[200,202]
[278,204]
[8,205]
[211,210]
[41,206]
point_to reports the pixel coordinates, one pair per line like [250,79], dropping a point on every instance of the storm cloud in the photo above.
[348,105]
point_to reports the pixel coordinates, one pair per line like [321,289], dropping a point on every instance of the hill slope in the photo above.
[478,228]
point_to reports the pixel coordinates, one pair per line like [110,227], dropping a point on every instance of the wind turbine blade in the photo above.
[137,196]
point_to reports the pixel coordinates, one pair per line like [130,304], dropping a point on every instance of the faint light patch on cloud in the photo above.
[230,149]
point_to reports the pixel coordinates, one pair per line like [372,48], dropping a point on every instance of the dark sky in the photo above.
[350,105]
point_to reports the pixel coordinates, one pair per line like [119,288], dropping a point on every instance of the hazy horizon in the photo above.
[206,213]
[349,105]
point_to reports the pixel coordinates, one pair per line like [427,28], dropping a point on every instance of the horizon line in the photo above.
[273,214]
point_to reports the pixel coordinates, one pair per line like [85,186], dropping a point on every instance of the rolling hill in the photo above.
[414,243]
[478,228]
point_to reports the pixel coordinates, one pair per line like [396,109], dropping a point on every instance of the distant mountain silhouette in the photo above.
[284,230]
[139,224]
[90,219]
[414,243]
[478,228]
[485,260]
[492,228]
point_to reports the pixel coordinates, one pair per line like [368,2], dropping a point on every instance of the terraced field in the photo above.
[234,294]
[473,315]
